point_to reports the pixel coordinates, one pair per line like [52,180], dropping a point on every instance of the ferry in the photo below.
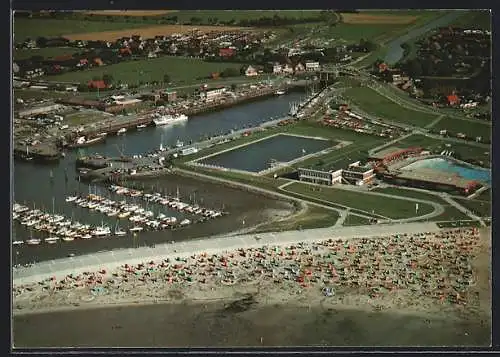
[170,119]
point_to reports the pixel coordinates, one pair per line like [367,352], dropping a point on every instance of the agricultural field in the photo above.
[377,18]
[47,52]
[145,32]
[475,18]
[468,127]
[130,12]
[180,70]
[32,28]
[380,106]
[380,205]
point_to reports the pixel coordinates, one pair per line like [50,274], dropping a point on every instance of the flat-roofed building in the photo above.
[320,176]
[357,174]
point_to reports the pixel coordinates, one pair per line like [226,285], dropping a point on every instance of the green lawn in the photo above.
[32,28]
[237,15]
[313,217]
[46,52]
[480,208]
[409,193]
[352,220]
[467,152]
[381,205]
[378,105]
[180,70]
[450,214]
[470,128]
[485,195]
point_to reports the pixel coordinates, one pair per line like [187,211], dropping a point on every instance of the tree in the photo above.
[166,78]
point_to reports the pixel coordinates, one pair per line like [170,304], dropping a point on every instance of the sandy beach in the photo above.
[436,279]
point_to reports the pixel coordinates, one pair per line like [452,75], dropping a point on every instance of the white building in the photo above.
[312,66]
[212,94]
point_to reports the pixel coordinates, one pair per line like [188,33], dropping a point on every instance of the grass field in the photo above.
[352,220]
[46,52]
[467,152]
[381,205]
[313,217]
[480,208]
[485,195]
[130,12]
[180,70]
[377,18]
[378,105]
[32,28]
[469,128]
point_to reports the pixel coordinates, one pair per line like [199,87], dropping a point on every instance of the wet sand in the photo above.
[199,325]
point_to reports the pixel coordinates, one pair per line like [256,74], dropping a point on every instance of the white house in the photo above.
[250,71]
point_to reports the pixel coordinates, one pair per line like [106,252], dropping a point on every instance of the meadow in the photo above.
[468,127]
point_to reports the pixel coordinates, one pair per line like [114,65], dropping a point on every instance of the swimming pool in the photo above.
[466,172]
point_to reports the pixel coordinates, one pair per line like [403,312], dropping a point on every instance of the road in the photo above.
[111,260]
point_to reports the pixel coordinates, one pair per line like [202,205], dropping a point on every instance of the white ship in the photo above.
[170,119]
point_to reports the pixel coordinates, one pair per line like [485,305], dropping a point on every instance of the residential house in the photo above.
[382,67]
[98,61]
[226,52]
[287,69]
[277,68]
[299,68]
[251,71]
[312,66]
[453,99]
[100,84]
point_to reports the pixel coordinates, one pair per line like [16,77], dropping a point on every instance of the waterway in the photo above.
[394,50]
[46,186]
[452,167]
[257,156]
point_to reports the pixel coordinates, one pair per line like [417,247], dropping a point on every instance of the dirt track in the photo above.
[147,32]
[358,19]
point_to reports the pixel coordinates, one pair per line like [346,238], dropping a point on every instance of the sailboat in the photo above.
[28,157]
[118,231]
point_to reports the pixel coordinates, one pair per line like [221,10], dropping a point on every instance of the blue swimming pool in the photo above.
[470,173]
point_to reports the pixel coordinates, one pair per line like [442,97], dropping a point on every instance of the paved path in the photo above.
[434,122]
[113,259]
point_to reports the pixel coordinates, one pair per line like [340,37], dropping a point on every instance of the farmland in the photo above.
[146,32]
[374,103]
[468,127]
[381,205]
[47,52]
[180,70]
[374,18]
[32,28]
[130,12]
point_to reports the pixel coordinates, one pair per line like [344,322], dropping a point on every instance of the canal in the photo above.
[46,186]
[394,50]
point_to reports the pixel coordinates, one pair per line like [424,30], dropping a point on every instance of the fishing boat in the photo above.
[136,229]
[71,198]
[86,236]
[17,242]
[142,126]
[280,92]
[119,231]
[124,214]
[185,222]
[68,239]
[121,131]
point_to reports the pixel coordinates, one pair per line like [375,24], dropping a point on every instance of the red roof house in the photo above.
[97,84]
[382,67]
[453,99]
[226,52]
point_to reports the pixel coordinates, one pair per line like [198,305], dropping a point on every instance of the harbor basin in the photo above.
[257,156]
